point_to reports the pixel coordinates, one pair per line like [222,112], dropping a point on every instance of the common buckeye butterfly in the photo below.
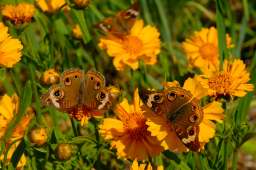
[81,94]
[181,109]
[120,24]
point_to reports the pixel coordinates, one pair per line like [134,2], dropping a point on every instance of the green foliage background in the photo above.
[48,43]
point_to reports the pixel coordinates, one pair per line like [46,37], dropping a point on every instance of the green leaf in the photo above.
[18,153]
[79,16]
[221,30]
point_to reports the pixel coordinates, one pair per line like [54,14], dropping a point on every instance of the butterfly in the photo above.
[81,94]
[120,24]
[181,109]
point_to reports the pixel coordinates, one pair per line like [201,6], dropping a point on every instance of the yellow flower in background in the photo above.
[142,43]
[128,132]
[51,6]
[231,81]
[8,108]
[76,31]
[20,13]
[144,166]
[50,76]
[202,50]
[10,48]
[161,127]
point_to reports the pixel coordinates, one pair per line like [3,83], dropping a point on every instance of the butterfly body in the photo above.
[78,94]
[182,111]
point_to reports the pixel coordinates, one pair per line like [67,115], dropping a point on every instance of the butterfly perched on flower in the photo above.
[81,94]
[181,109]
[120,24]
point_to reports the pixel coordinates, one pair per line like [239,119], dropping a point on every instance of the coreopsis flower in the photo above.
[51,6]
[202,50]
[231,81]
[76,31]
[128,132]
[38,136]
[8,109]
[20,13]
[144,166]
[142,43]
[50,76]
[10,48]
[161,127]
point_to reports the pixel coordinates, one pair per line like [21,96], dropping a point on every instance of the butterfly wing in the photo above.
[66,95]
[91,86]
[97,98]
[120,24]
[53,96]
[186,124]
[180,108]
[166,101]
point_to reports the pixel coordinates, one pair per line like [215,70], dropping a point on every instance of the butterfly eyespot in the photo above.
[193,118]
[179,131]
[191,132]
[91,78]
[56,93]
[76,76]
[131,14]
[67,81]
[194,108]
[97,86]
[101,96]
[171,96]
[157,98]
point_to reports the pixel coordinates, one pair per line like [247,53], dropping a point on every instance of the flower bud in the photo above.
[50,76]
[81,3]
[64,151]
[38,136]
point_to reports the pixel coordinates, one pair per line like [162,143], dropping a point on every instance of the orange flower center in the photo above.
[136,126]
[209,52]
[133,45]
[220,83]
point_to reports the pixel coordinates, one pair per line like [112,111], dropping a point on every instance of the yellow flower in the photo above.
[50,6]
[20,13]
[128,133]
[202,50]
[142,43]
[76,31]
[8,109]
[231,81]
[50,76]
[81,3]
[10,48]
[144,166]
[162,128]
[8,106]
